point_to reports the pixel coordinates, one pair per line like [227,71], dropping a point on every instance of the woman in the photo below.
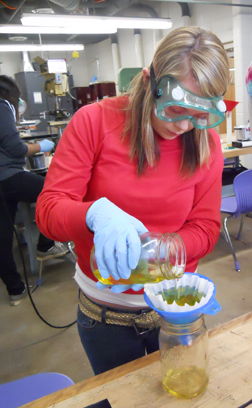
[149,160]
[17,185]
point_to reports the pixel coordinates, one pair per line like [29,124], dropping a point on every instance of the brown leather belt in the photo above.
[146,320]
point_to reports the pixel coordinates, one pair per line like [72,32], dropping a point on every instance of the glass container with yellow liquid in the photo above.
[184,357]
[163,256]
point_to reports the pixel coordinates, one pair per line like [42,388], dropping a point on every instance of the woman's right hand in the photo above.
[116,239]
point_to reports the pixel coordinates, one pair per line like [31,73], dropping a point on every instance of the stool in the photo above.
[20,392]
[26,216]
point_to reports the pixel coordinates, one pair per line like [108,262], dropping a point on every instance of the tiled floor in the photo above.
[29,346]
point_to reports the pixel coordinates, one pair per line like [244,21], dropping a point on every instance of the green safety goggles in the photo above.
[174,103]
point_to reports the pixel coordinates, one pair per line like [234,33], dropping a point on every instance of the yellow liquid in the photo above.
[182,295]
[186,382]
[143,273]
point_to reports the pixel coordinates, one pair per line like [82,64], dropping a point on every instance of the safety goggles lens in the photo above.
[176,103]
[199,119]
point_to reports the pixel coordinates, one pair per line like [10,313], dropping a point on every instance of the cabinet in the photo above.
[83,96]
[101,90]
[94,92]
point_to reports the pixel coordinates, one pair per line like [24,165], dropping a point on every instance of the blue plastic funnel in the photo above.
[211,308]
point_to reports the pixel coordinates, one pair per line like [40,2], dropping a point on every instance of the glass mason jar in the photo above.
[184,357]
[163,256]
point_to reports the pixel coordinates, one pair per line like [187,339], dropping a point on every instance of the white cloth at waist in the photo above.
[88,286]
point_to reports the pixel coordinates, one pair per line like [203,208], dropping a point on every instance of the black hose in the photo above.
[25,271]
[246,404]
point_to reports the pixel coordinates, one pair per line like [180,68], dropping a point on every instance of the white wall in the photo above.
[78,67]
[217,19]
[230,24]
[86,66]
[10,63]
[243,58]
[96,59]
[242,26]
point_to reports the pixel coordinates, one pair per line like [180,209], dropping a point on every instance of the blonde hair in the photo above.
[186,50]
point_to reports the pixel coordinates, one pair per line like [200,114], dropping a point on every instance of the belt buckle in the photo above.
[139,333]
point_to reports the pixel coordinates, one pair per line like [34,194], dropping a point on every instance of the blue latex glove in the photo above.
[116,239]
[46,145]
[120,288]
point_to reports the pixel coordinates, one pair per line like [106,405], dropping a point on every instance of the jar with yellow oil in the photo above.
[163,256]
[184,357]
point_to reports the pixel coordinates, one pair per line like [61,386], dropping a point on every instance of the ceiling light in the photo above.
[53,20]
[140,23]
[41,47]
[80,29]
[17,38]
[72,21]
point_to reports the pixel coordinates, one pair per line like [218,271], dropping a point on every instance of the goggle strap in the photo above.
[153,82]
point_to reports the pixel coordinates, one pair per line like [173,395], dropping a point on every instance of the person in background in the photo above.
[147,160]
[16,185]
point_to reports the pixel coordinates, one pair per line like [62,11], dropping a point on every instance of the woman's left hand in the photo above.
[120,288]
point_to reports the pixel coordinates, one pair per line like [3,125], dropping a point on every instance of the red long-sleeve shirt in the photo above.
[91,162]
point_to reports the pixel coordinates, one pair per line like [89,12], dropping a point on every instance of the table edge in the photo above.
[117,372]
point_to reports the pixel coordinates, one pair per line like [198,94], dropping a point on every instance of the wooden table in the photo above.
[233,152]
[236,151]
[138,384]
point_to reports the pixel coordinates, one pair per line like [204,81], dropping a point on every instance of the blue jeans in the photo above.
[108,346]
